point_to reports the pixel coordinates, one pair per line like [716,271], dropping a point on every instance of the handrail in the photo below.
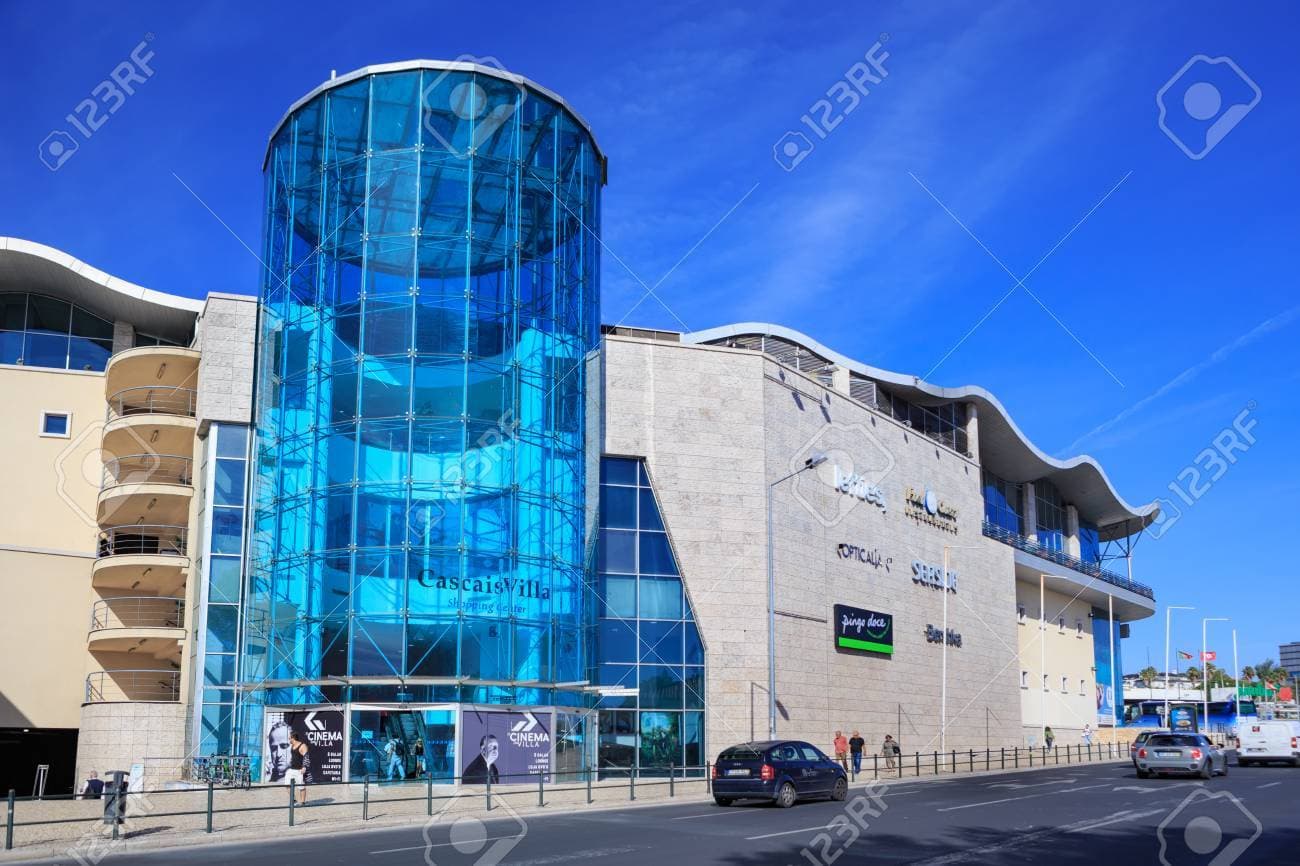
[147,469]
[139,538]
[143,611]
[152,400]
[1091,569]
[133,685]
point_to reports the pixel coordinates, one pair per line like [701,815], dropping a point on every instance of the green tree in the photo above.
[1148,675]
[1248,673]
[1193,674]
[1269,672]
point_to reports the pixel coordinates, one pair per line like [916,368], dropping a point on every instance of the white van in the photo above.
[1269,741]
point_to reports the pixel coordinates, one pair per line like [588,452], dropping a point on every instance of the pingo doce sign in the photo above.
[863,630]
[853,484]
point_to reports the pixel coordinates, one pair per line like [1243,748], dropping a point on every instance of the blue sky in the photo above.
[1006,138]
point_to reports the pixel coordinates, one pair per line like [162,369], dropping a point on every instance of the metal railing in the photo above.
[145,611]
[139,538]
[152,400]
[1091,569]
[133,685]
[147,469]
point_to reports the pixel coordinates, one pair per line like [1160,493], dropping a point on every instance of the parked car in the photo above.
[1180,753]
[1264,741]
[782,771]
[1138,742]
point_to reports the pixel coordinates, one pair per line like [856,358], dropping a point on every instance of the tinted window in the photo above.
[785,752]
[739,753]
[1175,741]
[811,754]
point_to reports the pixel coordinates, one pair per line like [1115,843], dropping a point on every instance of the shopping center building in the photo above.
[411,502]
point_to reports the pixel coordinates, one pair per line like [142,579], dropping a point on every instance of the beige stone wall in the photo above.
[716,426]
[1069,654]
[116,735]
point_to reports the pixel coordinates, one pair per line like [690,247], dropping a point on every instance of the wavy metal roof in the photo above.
[1004,449]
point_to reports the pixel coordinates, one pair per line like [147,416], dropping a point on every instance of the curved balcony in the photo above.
[142,539]
[152,418]
[150,486]
[148,625]
[151,365]
[157,686]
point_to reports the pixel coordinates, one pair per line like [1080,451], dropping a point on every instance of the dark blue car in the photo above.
[782,771]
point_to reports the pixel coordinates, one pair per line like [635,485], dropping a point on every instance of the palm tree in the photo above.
[1248,673]
[1148,675]
[1269,672]
[1193,674]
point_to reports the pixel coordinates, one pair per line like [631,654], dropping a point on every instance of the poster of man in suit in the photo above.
[504,747]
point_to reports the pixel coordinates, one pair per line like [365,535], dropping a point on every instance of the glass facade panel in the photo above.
[1051,515]
[40,331]
[1002,503]
[432,293]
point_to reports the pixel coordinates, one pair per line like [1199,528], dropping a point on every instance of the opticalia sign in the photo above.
[853,484]
[932,575]
[863,630]
[858,553]
[926,507]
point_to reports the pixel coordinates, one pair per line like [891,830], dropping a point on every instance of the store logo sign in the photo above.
[853,484]
[859,630]
[936,635]
[925,506]
[932,576]
[857,553]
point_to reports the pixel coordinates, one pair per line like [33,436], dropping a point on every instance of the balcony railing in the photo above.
[138,539]
[133,685]
[137,612]
[1091,569]
[147,469]
[152,400]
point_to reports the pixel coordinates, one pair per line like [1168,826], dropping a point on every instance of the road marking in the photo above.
[1016,841]
[789,832]
[719,813]
[1118,819]
[576,855]
[1026,797]
[1019,785]
[1269,785]
[441,844]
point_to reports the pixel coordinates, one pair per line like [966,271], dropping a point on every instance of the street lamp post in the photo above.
[943,698]
[1205,680]
[1170,608]
[815,460]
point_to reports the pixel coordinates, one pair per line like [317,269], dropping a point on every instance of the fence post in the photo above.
[972,760]
[954,761]
[209,805]
[918,765]
[1067,755]
[936,763]
[1056,753]
[541,788]
[9,823]
[631,783]
[589,786]
[875,766]
[672,773]
[488,792]
[365,797]
[428,799]
[293,787]
[1031,756]
[1003,751]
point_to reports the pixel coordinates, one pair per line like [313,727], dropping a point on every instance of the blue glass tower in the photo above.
[431,293]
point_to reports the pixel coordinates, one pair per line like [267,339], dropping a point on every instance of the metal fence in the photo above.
[367,793]
[1073,563]
[147,469]
[133,685]
[152,400]
[145,611]
[141,538]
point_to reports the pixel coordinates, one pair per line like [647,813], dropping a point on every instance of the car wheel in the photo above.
[786,796]
[1225,767]
[841,789]
[1205,771]
[722,801]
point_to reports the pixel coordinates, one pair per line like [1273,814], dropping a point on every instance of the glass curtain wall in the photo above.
[432,246]
[1002,503]
[1050,508]
[40,331]
[646,637]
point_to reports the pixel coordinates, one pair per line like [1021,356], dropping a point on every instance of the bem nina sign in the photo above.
[863,630]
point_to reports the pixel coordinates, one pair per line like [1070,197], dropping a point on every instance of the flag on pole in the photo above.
[1209,656]
[1183,655]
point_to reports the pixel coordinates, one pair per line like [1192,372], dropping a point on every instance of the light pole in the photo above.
[814,460]
[1170,608]
[1205,680]
[943,699]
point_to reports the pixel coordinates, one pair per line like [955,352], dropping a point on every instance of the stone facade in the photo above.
[716,427]
[226,334]
[114,736]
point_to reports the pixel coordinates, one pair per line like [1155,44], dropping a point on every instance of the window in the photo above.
[1002,503]
[1083,687]
[1050,508]
[1020,613]
[40,331]
[1060,623]
[1078,628]
[58,424]
[1024,679]
[1065,684]
[1044,682]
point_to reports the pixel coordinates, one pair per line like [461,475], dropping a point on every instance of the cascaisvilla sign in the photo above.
[863,630]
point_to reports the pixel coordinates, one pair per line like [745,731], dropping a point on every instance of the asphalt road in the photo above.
[1083,814]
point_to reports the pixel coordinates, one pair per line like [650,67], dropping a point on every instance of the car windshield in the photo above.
[1174,741]
[740,753]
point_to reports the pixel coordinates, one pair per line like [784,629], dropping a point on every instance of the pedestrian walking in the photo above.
[418,751]
[842,750]
[393,753]
[1087,735]
[1048,737]
[856,744]
[94,788]
[890,750]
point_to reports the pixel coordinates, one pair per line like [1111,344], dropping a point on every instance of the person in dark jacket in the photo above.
[856,744]
[484,765]
[94,787]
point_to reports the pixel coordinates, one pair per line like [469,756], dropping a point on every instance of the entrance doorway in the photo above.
[402,744]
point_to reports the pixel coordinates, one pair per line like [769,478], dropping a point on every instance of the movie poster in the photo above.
[508,748]
[312,740]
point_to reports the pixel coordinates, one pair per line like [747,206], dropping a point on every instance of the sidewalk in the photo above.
[239,816]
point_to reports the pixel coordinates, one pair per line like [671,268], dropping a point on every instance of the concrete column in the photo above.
[226,338]
[972,430]
[840,379]
[1029,511]
[1072,531]
[123,336]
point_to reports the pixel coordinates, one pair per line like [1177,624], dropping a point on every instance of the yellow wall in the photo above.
[47,543]
[1069,654]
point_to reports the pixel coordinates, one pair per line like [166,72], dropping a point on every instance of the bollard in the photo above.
[209,805]
[708,777]
[365,797]
[589,786]
[631,784]
[671,775]
[9,823]
[293,787]
[488,792]
[428,799]
[541,789]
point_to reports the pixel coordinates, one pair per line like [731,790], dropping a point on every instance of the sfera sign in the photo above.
[936,635]
[857,553]
[932,576]
[859,630]
[925,506]
[853,484]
